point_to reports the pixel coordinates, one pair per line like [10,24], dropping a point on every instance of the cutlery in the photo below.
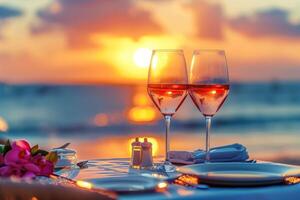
[63,146]
[82,164]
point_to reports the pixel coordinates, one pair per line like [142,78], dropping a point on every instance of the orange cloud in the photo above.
[80,20]
[210,22]
[268,23]
[209,19]
[24,67]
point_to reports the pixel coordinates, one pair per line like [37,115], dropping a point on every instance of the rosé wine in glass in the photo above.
[208,85]
[167,97]
[209,98]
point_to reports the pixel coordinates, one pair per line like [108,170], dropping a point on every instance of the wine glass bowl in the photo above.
[209,98]
[209,67]
[167,97]
[208,85]
[167,66]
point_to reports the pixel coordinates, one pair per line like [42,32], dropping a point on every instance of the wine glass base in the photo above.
[166,167]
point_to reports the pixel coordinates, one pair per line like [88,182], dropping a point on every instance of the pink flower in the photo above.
[39,160]
[4,171]
[19,154]
[19,162]
[22,144]
[7,171]
[47,169]
[28,175]
[45,166]
[30,167]
[27,171]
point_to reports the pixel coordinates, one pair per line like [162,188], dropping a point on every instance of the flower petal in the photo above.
[23,144]
[1,159]
[29,175]
[47,169]
[5,171]
[32,168]
[12,156]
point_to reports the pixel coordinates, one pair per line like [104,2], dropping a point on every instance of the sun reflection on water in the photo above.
[141,114]
[142,110]
[141,99]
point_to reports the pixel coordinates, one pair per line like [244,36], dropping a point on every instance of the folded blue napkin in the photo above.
[228,153]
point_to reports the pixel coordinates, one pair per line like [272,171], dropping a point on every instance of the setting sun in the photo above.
[142,57]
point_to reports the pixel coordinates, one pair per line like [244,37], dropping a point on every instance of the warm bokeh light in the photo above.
[84,184]
[188,179]
[141,99]
[142,110]
[142,57]
[292,180]
[3,125]
[101,120]
[140,114]
[162,185]
[185,192]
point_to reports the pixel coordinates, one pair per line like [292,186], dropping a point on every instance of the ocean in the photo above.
[100,121]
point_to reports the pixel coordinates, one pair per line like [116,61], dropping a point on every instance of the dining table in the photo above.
[115,167]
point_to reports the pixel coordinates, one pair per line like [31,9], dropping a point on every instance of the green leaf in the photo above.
[1,148]
[52,157]
[41,152]
[34,149]
[7,147]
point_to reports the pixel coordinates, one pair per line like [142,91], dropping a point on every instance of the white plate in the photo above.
[125,183]
[241,174]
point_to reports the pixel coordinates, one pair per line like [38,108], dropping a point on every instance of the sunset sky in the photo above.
[88,41]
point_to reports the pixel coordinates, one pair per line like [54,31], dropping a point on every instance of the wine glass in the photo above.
[167,87]
[208,85]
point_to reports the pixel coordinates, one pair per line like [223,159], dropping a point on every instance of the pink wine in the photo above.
[208,98]
[167,97]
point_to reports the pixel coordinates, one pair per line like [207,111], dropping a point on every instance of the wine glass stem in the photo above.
[168,121]
[207,138]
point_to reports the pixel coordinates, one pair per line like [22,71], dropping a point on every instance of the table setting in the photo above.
[226,171]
